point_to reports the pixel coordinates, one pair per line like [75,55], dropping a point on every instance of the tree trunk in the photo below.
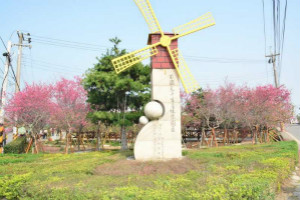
[35,144]
[60,134]
[123,128]
[214,136]
[123,138]
[253,137]
[98,137]
[79,136]
[202,136]
[282,128]
[66,148]
[260,136]
[67,141]
[268,136]
[206,139]
[256,132]
[78,141]
[225,136]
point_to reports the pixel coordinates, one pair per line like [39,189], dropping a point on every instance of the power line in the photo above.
[68,41]
[51,64]
[239,76]
[3,44]
[3,64]
[220,60]
[54,68]
[274,25]
[283,37]
[278,24]
[264,20]
[45,66]
[15,78]
[68,44]
[31,65]
[2,61]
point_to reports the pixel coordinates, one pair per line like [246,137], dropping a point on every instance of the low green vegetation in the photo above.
[225,173]
[16,146]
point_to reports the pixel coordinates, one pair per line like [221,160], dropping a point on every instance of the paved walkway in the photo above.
[294,130]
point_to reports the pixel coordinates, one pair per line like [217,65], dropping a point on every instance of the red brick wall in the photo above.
[162,60]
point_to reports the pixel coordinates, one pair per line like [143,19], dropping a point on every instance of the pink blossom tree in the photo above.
[31,108]
[228,96]
[263,107]
[203,107]
[256,109]
[70,108]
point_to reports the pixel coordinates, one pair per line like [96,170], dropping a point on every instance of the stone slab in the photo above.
[172,112]
[161,139]
[166,94]
[163,129]
[154,143]
[164,77]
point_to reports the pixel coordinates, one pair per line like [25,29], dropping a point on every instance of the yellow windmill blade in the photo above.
[187,78]
[126,61]
[200,23]
[149,15]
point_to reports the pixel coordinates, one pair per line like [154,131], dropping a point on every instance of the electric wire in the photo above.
[2,61]
[15,78]
[55,69]
[264,22]
[68,44]
[51,64]
[4,77]
[31,65]
[3,65]
[68,41]
[274,26]
[3,44]
[283,37]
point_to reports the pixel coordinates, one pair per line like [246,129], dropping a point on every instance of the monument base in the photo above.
[161,139]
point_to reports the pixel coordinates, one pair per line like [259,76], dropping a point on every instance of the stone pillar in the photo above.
[161,139]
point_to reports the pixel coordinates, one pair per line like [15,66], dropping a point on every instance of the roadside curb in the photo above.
[288,137]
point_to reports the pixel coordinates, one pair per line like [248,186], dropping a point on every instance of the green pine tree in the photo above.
[117,98]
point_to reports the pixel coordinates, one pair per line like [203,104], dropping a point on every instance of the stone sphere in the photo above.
[143,120]
[153,110]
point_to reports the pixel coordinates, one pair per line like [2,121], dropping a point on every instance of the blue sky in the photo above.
[234,49]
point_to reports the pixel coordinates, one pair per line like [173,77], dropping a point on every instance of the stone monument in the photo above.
[160,138]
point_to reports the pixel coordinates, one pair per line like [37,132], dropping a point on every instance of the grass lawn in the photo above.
[236,172]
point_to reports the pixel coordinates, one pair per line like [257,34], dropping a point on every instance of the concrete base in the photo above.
[161,139]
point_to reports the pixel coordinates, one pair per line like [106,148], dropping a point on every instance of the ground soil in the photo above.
[289,187]
[51,149]
[133,167]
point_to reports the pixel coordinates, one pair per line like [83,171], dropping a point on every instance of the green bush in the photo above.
[250,172]
[12,186]
[16,146]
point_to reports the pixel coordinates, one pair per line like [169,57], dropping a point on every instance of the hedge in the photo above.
[17,146]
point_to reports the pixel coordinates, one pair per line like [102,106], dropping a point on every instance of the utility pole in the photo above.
[18,73]
[5,79]
[273,60]
[19,62]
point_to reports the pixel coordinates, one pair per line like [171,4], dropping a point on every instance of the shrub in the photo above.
[16,146]
[12,186]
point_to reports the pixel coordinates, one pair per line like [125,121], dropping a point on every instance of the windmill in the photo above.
[161,138]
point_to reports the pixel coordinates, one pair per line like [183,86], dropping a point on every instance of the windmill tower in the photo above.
[161,137]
